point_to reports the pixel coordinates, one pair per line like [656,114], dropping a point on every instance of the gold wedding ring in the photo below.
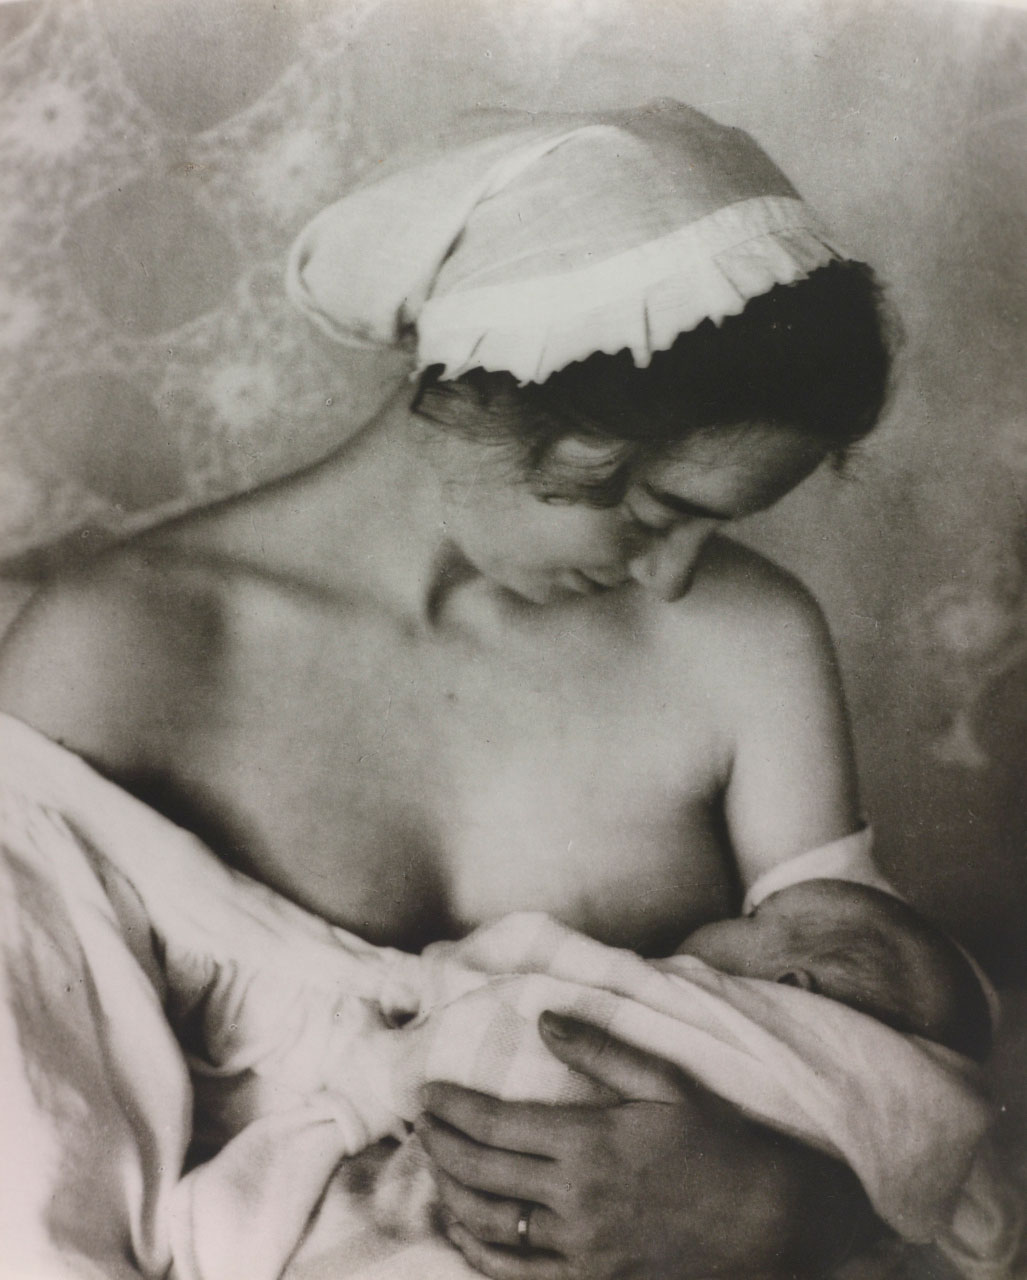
[523,1227]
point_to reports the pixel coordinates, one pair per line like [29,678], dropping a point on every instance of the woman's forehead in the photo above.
[733,472]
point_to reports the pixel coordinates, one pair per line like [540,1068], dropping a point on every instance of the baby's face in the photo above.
[860,947]
[792,934]
[762,945]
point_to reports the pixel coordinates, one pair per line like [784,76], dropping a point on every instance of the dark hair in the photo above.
[814,355]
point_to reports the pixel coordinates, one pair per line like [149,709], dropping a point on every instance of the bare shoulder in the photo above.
[113,658]
[769,641]
[755,614]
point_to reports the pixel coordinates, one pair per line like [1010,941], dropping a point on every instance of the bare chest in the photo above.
[411,790]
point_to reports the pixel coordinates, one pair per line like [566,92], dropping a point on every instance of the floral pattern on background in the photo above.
[147,346]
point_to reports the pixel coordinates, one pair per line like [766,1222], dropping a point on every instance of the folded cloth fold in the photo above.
[119,926]
[850,858]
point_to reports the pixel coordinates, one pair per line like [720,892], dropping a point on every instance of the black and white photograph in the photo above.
[513,640]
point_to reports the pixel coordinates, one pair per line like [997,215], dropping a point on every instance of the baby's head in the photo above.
[861,947]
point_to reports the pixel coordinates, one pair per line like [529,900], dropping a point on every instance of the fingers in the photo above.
[507,1264]
[530,1127]
[491,1169]
[494,1219]
[629,1072]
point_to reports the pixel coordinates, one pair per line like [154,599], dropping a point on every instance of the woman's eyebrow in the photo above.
[684,506]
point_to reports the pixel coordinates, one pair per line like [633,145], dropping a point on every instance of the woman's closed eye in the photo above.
[651,517]
[659,513]
[648,532]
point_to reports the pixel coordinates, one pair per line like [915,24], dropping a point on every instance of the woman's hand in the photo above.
[670,1181]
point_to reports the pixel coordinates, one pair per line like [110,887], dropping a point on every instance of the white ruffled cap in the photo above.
[641,299]
[537,247]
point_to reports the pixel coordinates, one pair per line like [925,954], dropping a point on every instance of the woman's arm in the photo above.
[793,781]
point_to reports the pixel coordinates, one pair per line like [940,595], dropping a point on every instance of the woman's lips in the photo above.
[580,583]
[588,585]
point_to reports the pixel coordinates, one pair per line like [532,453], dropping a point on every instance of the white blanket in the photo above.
[117,926]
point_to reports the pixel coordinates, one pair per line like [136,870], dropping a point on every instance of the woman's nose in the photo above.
[665,565]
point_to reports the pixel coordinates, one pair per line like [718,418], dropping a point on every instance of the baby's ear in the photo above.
[798,978]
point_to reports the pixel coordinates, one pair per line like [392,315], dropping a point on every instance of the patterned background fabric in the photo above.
[157,157]
[155,164]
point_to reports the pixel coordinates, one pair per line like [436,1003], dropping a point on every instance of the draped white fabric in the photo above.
[119,926]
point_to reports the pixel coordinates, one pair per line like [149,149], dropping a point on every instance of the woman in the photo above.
[496,654]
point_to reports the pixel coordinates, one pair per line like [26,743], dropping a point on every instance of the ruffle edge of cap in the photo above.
[640,301]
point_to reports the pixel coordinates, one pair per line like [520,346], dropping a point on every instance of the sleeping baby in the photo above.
[860,946]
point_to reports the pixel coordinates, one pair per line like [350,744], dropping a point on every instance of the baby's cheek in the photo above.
[739,947]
